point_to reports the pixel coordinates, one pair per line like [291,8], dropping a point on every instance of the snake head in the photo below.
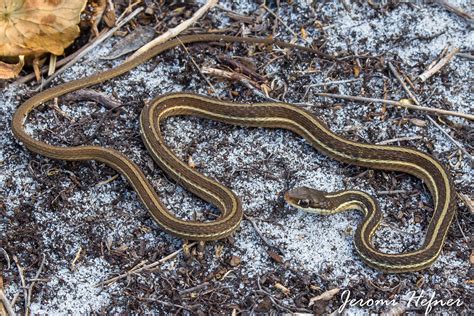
[309,200]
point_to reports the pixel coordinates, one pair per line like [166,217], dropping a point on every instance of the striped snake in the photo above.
[269,115]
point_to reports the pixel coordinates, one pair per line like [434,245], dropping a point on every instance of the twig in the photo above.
[460,229]
[32,284]
[399,139]
[280,20]
[97,41]
[227,74]
[455,9]
[241,67]
[260,234]
[455,142]
[390,192]
[321,84]
[415,99]
[6,304]
[468,202]
[146,267]
[194,288]
[7,258]
[76,258]
[278,302]
[252,85]
[440,64]
[465,55]
[99,125]
[164,303]
[92,95]
[15,298]
[176,30]
[397,103]
[197,66]
[23,283]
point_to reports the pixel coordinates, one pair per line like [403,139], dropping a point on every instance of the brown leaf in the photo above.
[326,296]
[357,70]
[109,16]
[418,122]
[34,27]
[8,71]
[282,288]
[234,261]
[406,102]
[304,34]
[191,162]
[276,257]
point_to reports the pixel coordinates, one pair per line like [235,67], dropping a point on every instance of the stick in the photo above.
[6,304]
[260,234]
[194,288]
[440,64]
[394,140]
[92,95]
[415,99]
[176,30]
[97,41]
[468,202]
[455,10]
[465,55]
[397,103]
[227,74]
[197,67]
[32,284]
[390,192]
[331,82]
[147,267]
[23,283]
[7,258]
[281,21]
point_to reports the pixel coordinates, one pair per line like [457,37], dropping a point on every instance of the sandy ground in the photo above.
[88,224]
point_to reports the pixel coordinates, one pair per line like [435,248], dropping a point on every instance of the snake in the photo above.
[267,115]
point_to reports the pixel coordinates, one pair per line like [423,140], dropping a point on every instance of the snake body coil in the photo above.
[270,115]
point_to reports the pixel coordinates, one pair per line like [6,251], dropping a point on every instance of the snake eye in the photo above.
[303,203]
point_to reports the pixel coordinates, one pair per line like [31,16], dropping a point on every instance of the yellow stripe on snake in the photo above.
[269,115]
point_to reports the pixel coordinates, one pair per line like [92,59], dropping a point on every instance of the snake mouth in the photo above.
[291,200]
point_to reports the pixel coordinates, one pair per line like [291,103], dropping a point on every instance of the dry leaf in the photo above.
[326,296]
[406,102]
[282,288]
[109,16]
[276,257]
[34,27]
[8,71]
[304,34]
[418,122]
[139,37]
[97,15]
[219,249]
[234,261]
[357,70]
[191,162]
